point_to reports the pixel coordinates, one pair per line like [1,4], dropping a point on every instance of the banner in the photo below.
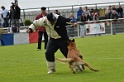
[18,38]
[33,37]
[96,28]
[21,38]
[7,39]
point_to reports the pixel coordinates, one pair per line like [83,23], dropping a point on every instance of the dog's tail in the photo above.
[64,60]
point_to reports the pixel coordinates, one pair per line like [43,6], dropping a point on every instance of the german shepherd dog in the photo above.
[74,58]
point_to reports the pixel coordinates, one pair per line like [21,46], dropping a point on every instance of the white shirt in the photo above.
[86,12]
[4,13]
[49,27]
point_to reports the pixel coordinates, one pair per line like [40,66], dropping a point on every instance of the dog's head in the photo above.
[71,43]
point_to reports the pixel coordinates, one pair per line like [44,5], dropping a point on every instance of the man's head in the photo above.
[2,7]
[51,18]
[43,10]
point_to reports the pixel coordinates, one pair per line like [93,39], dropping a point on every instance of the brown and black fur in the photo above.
[74,56]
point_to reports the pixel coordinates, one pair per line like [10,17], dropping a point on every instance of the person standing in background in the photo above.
[120,11]
[114,16]
[71,28]
[0,22]
[42,30]
[72,17]
[17,17]
[5,16]
[12,19]
[87,13]
[83,18]
[79,13]
[108,12]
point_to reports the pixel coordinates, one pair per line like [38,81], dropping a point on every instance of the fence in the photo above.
[109,26]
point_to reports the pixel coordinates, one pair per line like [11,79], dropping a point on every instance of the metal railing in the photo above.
[80,31]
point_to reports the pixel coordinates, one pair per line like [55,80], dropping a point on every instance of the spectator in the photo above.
[17,17]
[0,22]
[5,16]
[87,13]
[114,8]
[73,19]
[70,27]
[12,16]
[95,16]
[120,12]
[57,12]
[115,16]
[108,12]
[42,30]
[79,13]
[12,19]
[123,14]
[83,17]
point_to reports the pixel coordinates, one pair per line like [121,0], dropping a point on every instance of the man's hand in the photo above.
[75,24]
[28,31]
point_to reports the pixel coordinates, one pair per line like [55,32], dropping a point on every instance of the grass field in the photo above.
[22,63]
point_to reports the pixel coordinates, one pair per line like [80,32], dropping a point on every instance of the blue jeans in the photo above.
[0,24]
[5,23]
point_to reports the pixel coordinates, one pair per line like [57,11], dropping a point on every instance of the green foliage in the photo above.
[27,22]
[22,63]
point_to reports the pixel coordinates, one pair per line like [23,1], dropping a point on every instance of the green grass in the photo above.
[22,63]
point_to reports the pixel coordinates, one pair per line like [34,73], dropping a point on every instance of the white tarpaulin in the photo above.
[21,38]
[95,28]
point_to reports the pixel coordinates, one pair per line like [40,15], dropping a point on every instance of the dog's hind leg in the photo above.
[71,67]
[86,64]
[82,59]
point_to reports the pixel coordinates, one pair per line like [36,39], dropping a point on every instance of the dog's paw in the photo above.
[73,72]
[96,70]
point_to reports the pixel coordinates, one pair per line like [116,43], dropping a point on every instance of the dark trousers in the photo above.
[5,23]
[114,28]
[88,17]
[53,45]
[40,34]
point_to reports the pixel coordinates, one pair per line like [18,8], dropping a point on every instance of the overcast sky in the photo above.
[39,3]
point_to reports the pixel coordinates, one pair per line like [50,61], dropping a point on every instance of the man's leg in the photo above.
[17,25]
[6,22]
[50,51]
[114,28]
[63,47]
[45,39]
[39,39]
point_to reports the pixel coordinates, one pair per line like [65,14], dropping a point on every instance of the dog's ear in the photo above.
[73,40]
[68,41]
